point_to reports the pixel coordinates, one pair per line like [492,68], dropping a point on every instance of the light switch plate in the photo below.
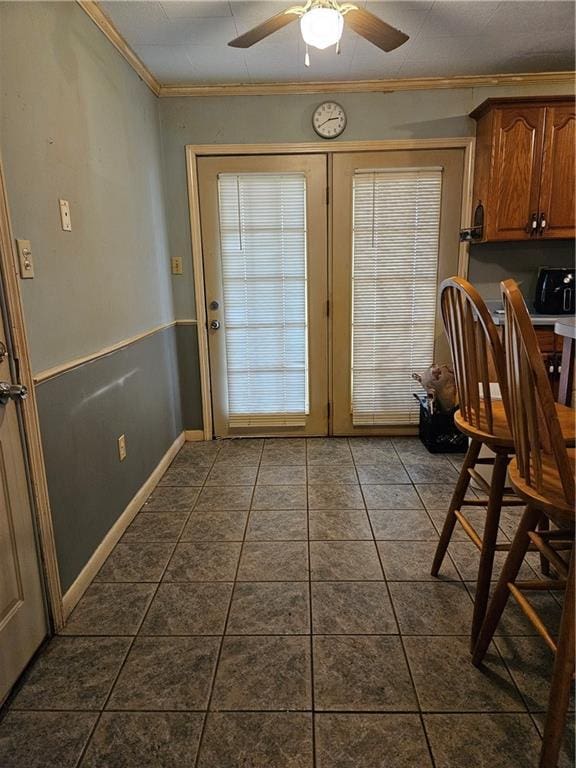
[122,447]
[177,265]
[65,215]
[25,259]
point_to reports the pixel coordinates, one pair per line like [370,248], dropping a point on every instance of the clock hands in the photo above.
[327,121]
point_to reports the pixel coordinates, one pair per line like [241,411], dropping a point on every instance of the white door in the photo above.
[264,236]
[395,238]
[23,622]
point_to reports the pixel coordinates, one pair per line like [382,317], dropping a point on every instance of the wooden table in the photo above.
[566,329]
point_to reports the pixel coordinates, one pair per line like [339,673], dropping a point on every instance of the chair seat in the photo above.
[551,498]
[501,436]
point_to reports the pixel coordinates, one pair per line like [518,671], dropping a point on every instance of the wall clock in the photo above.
[329,120]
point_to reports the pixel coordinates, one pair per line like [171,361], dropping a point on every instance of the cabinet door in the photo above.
[517,160]
[557,198]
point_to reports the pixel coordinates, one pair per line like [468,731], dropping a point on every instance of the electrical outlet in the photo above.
[122,447]
[177,265]
[25,259]
[65,215]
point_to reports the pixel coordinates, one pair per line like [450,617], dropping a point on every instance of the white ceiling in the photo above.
[186,41]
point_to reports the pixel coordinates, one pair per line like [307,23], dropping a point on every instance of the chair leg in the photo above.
[502,593]
[455,504]
[559,698]
[489,538]
[544,525]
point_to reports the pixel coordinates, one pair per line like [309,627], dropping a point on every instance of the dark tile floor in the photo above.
[271,607]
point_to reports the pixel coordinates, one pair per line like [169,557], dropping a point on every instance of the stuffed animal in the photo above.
[440,385]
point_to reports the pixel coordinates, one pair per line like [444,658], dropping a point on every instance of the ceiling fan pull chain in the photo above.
[307,57]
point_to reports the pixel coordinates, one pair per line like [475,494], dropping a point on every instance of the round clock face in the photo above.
[329,120]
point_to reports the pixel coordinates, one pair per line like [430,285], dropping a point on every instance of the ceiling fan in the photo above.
[322,24]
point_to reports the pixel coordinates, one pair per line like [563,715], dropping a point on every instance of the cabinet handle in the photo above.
[532,226]
[542,224]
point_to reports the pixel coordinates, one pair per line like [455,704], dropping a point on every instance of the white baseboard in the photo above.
[108,543]
[193,435]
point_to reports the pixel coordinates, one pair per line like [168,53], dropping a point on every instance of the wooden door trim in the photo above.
[194,151]
[199,291]
[313,168]
[452,163]
[40,502]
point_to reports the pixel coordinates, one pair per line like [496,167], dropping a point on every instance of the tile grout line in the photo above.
[311,617]
[522,698]
[223,636]
[420,714]
[303,711]
[211,466]
[98,712]
[142,620]
[122,664]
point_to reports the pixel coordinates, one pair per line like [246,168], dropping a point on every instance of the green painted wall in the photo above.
[264,119]
[77,123]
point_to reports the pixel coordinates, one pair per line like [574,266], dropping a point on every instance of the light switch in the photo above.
[177,265]
[65,215]
[122,447]
[25,259]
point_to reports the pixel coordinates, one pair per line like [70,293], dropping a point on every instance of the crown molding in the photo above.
[106,25]
[370,86]
[93,10]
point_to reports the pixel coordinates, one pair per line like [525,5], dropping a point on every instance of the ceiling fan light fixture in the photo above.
[322,27]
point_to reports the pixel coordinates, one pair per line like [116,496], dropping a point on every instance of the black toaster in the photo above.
[555,291]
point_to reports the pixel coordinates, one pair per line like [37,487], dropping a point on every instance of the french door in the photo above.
[395,238]
[279,352]
[264,241]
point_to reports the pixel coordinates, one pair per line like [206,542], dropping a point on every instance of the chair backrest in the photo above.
[533,418]
[477,352]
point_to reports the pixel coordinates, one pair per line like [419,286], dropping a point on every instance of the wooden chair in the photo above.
[478,357]
[476,349]
[542,473]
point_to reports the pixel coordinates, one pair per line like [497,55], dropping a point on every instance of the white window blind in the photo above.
[396,224]
[264,276]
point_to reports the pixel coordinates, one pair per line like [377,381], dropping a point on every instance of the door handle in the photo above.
[542,223]
[532,226]
[12,392]
[215,324]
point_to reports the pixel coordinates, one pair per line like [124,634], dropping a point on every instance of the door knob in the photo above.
[215,324]
[12,392]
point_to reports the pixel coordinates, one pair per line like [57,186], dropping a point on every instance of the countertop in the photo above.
[495,309]
[566,326]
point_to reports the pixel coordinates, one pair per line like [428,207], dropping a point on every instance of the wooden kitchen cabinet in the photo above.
[551,350]
[524,172]
[550,346]
[557,189]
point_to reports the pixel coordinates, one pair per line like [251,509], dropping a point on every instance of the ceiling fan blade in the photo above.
[375,30]
[263,30]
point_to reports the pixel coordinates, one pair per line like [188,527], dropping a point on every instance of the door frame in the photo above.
[313,169]
[30,423]
[194,151]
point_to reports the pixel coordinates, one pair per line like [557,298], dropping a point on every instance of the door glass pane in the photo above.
[264,277]
[396,227]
